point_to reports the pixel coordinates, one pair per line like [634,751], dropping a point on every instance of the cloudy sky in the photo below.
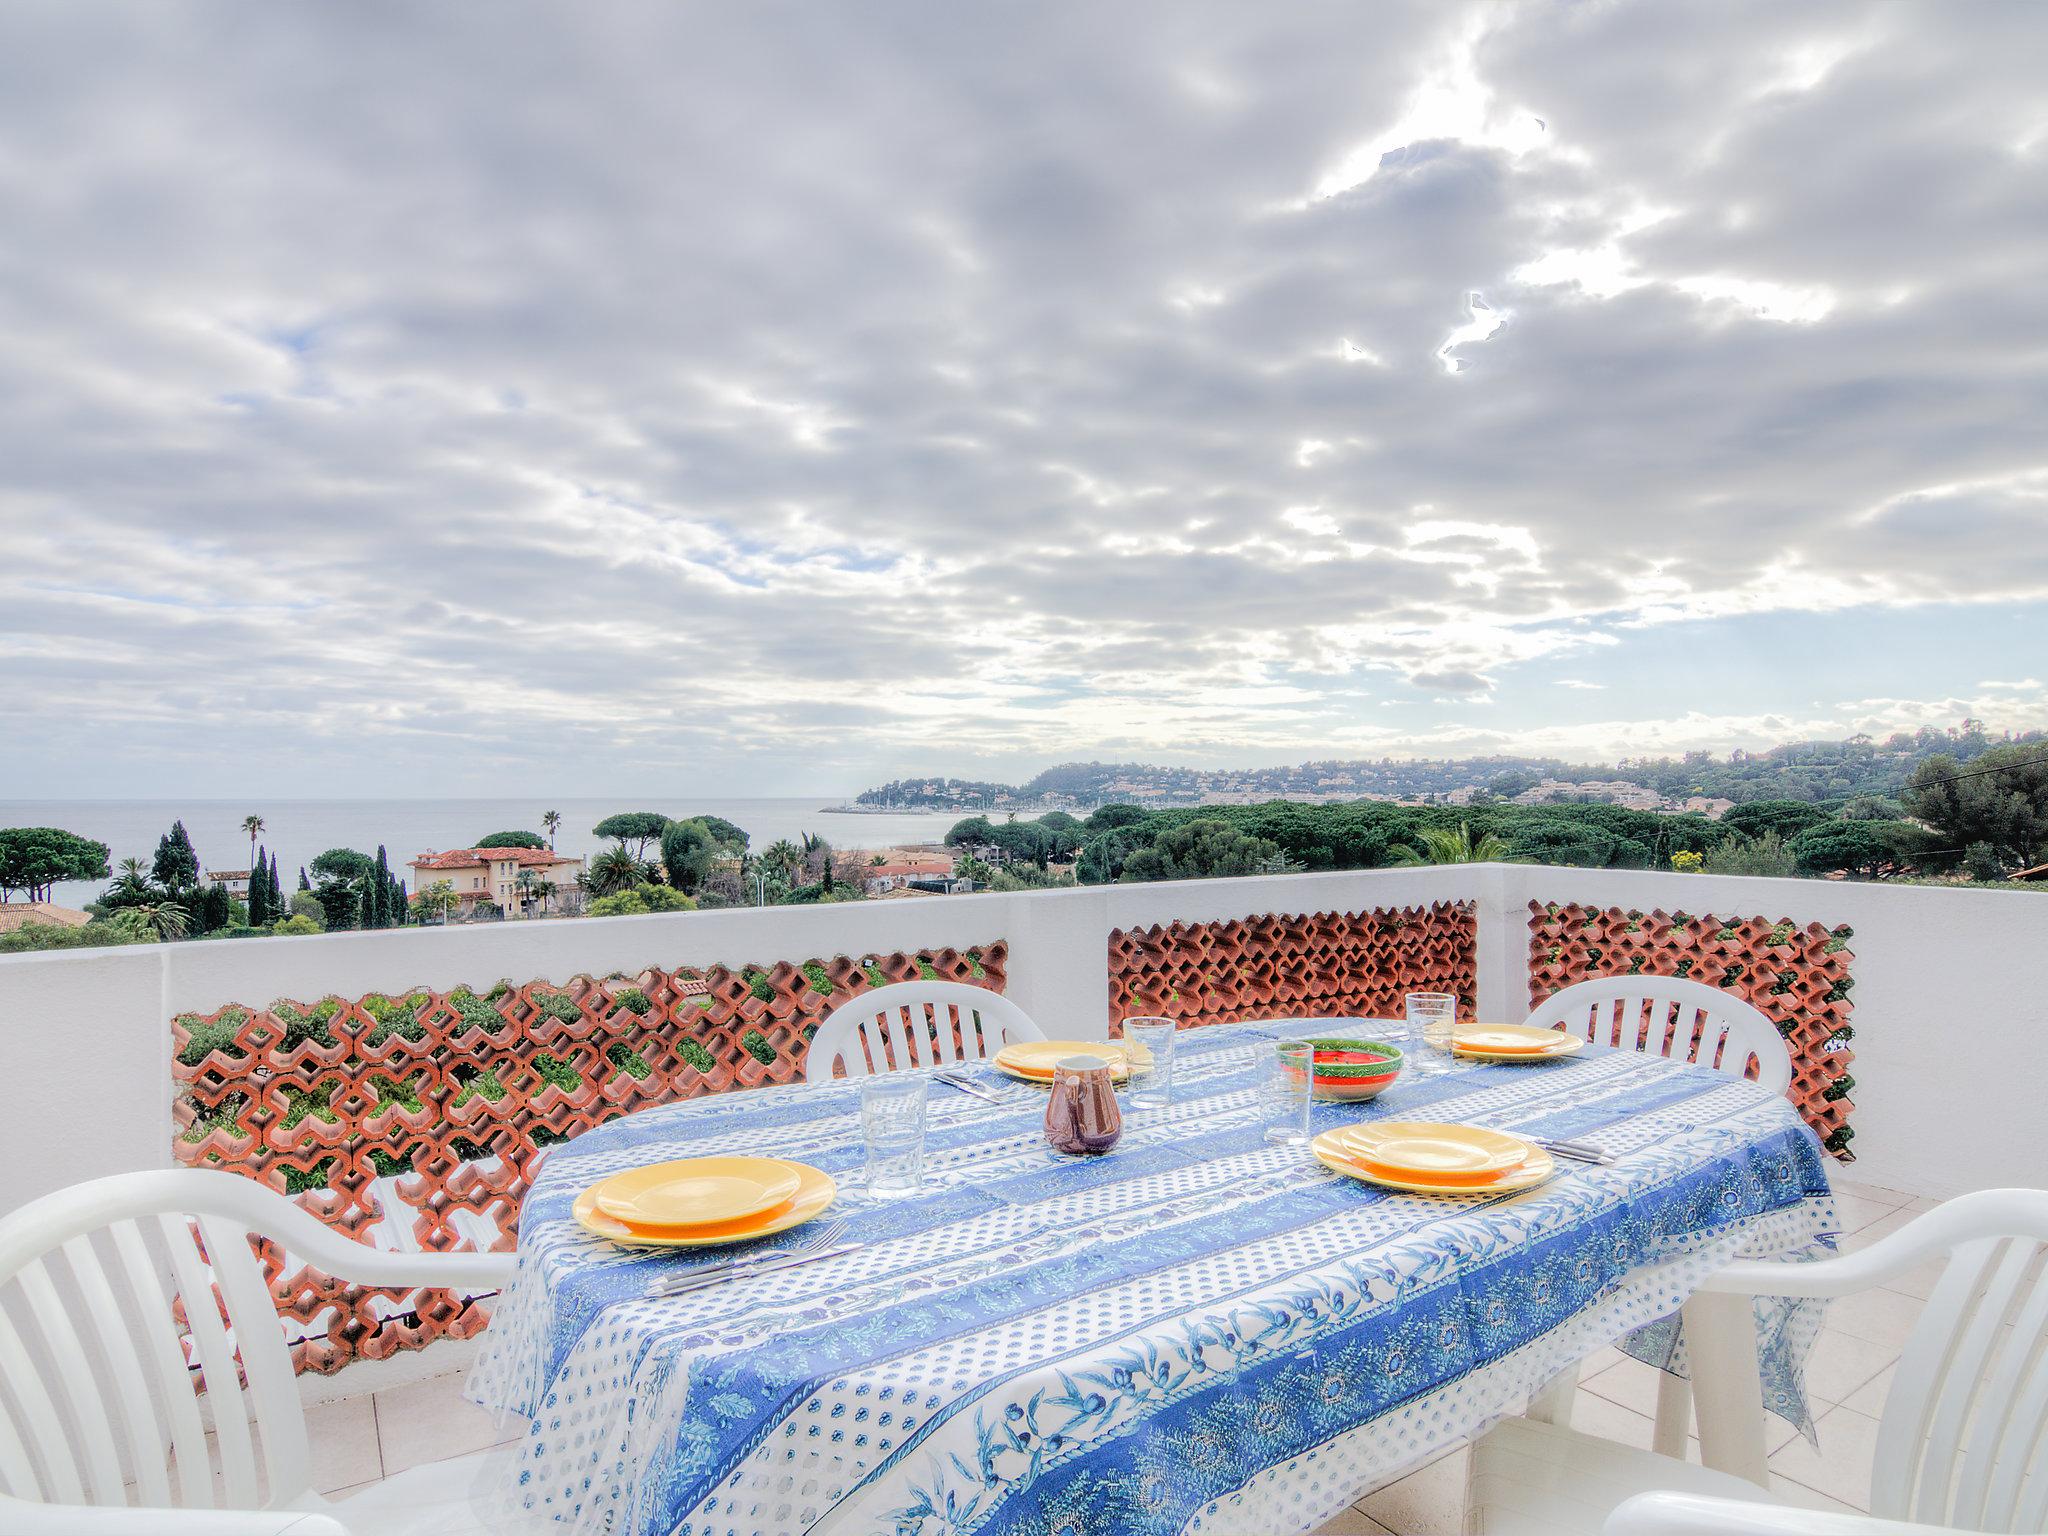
[758,399]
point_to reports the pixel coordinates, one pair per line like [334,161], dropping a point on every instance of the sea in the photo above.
[297,830]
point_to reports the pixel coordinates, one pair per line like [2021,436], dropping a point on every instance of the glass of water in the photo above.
[1151,1061]
[892,1128]
[1430,1018]
[1283,1091]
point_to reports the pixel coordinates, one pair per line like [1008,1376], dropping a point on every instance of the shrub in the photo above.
[660,898]
[620,904]
[696,1055]
[756,1045]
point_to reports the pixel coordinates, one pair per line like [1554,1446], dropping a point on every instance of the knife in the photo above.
[701,1282]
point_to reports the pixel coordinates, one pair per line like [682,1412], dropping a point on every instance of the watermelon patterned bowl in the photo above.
[1353,1070]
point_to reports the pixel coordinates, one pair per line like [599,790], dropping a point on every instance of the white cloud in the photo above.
[844,378]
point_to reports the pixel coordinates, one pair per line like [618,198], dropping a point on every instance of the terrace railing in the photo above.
[402,1085]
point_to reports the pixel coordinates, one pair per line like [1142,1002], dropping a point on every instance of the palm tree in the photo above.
[527,882]
[550,820]
[782,856]
[1440,845]
[252,825]
[615,870]
[547,889]
[164,921]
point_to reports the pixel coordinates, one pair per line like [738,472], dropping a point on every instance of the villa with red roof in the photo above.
[492,875]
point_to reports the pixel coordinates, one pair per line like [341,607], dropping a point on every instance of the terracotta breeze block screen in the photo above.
[1797,977]
[432,1108]
[1344,963]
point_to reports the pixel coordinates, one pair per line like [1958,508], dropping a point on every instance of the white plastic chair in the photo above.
[1962,1441]
[1667,1016]
[99,1403]
[1691,1514]
[913,1024]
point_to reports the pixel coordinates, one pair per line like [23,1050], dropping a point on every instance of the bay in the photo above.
[298,830]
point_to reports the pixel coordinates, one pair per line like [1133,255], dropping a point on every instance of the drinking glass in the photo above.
[892,1129]
[1152,1063]
[1430,1018]
[1283,1091]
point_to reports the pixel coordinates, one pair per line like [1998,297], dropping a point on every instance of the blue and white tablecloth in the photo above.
[1200,1332]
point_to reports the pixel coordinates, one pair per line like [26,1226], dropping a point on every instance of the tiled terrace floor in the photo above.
[359,1440]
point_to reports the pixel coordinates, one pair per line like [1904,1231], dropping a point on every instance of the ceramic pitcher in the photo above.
[1082,1115]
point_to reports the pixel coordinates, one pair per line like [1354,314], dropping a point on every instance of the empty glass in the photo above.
[892,1129]
[1152,1061]
[1283,1091]
[1430,1017]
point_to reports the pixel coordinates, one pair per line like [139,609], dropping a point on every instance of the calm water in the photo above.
[297,830]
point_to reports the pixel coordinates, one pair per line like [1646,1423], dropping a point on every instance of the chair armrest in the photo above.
[19,1517]
[1692,1514]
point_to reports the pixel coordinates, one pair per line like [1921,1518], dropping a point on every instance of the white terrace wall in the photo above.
[1951,992]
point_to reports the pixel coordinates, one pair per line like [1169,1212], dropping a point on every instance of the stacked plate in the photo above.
[1426,1158]
[1034,1060]
[1512,1042]
[702,1202]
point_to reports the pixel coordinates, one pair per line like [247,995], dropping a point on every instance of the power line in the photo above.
[1976,773]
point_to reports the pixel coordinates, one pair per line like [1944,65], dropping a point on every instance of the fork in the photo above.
[954,1080]
[822,1237]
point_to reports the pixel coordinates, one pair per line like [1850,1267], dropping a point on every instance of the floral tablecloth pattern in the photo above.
[1201,1332]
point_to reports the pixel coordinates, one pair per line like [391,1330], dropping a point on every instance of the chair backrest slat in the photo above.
[1916,1385]
[912,1024]
[59,1473]
[17,1470]
[2004,1445]
[175,1388]
[1672,1017]
[266,1363]
[92,1432]
[1970,1336]
[216,1363]
[127,1383]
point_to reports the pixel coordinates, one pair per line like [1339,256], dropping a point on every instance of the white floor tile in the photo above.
[343,1437]
[1427,1502]
[1593,1414]
[1352,1523]
[1856,1212]
[1840,1363]
[1885,1318]
[1869,1398]
[429,1421]
[1841,1467]
[1875,1194]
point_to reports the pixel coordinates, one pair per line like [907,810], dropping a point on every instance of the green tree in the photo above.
[1448,845]
[1980,862]
[1201,850]
[253,825]
[1104,854]
[343,888]
[1552,840]
[1763,856]
[382,912]
[32,859]
[971,832]
[511,840]
[636,827]
[1787,818]
[1862,848]
[615,870]
[551,821]
[730,834]
[1107,818]
[782,857]
[162,922]
[260,913]
[2000,799]
[176,867]
[438,900]
[688,850]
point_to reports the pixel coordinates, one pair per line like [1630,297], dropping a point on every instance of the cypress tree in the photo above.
[380,892]
[304,883]
[176,866]
[400,906]
[259,893]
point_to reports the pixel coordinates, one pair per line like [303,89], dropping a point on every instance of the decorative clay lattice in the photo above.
[433,1108]
[1797,977]
[1341,963]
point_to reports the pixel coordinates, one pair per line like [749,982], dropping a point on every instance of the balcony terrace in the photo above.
[404,1083]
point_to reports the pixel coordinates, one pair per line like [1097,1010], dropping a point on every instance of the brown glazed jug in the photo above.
[1081,1115]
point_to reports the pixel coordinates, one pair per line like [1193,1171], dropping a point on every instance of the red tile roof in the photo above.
[477,858]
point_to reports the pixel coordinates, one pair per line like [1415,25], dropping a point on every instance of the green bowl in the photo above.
[1351,1081]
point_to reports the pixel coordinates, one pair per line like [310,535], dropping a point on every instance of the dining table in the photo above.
[1200,1331]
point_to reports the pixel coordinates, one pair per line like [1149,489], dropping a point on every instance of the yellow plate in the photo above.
[1425,1149]
[1534,1170]
[694,1191]
[1034,1060]
[815,1191]
[1507,1037]
[1567,1045]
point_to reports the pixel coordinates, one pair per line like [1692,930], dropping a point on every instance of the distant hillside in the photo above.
[1805,770]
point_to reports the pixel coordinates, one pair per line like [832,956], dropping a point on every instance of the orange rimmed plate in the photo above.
[815,1191]
[1439,1152]
[1331,1153]
[698,1191]
[1034,1060]
[1513,1042]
